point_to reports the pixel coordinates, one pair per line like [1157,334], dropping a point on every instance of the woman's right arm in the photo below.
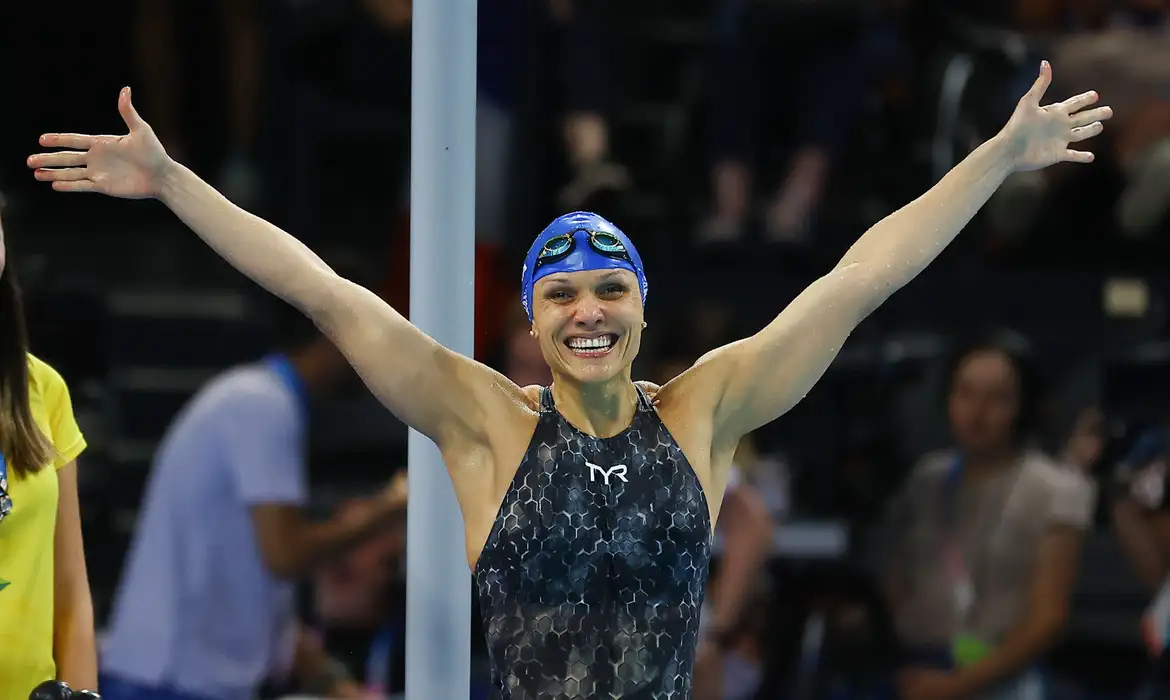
[430,388]
[423,383]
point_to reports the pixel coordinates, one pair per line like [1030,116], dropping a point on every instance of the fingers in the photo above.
[59,159]
[78,186]
[1072,156]
[1099,114]
[82,141]
[61,175]
[1036,93]
[1078,102]
[129,114]
[1085,132]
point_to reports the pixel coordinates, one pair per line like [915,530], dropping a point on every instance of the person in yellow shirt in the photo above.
[46,613]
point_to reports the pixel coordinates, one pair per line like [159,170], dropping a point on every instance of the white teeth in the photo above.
[601,343]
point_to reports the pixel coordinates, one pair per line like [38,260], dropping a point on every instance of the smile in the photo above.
[599,346]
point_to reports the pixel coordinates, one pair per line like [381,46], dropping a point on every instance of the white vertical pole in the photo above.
[442,269]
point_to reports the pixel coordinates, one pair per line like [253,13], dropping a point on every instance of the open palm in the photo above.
[1040,136]
[130,166]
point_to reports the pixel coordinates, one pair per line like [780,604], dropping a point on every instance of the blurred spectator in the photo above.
[163,44]
[985,541]
[205,607]
[350,589]
[359,605]
[790,83]
[1141,520]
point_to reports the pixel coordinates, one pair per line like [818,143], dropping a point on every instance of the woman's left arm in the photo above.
[1050,591]
[756,380]
[74,648]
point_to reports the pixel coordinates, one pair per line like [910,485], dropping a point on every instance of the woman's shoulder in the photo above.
[43,379]
[1054,475]
[1043,465]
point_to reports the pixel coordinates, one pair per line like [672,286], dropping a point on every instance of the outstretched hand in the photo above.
[130,166]
[1040,136]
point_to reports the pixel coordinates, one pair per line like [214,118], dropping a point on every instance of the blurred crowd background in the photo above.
[743,144]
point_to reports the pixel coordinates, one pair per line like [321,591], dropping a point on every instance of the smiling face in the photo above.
[589,324]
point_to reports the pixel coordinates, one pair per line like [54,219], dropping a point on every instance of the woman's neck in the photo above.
[984,465]
[601,410]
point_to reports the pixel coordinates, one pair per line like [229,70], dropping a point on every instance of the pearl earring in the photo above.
[644,324]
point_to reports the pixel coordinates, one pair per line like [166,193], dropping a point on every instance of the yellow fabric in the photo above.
[26,543]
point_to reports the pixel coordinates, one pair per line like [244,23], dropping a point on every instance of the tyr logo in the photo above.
[618,470]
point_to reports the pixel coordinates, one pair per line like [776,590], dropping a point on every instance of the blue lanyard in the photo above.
[952,484]
[282,367]
[378,661]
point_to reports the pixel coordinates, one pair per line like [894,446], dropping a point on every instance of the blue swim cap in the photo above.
[574,243]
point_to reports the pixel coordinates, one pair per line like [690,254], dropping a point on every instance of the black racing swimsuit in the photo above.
[592,578]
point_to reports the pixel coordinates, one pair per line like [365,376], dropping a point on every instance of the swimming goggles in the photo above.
[559,247]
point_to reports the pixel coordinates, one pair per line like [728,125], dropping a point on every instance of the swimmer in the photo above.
[587,508]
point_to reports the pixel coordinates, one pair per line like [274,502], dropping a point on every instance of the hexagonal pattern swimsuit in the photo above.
[592,578]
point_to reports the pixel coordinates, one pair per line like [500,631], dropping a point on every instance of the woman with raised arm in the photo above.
[588,509]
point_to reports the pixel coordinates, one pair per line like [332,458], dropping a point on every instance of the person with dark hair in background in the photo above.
[205,607]
[985,539]
[46,613]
